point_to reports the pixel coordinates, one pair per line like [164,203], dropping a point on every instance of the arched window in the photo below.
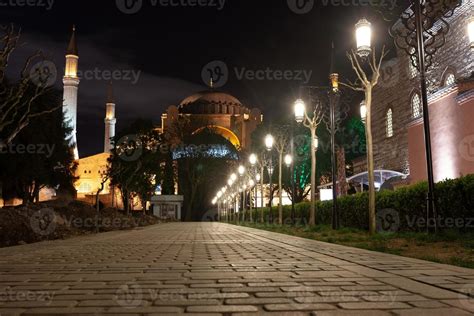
[389,121]
[449,79]
[412,69]
[416,106]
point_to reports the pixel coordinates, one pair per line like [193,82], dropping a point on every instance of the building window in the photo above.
[389,123]
[449,80]
[416,106]
[413,71]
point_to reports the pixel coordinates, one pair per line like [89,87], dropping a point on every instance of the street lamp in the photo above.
[363,38]
[470,32]
[269,141]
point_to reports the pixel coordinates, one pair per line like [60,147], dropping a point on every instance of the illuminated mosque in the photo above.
[225,114]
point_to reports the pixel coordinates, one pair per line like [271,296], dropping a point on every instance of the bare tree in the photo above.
[312,122]
[366,85]
[282,137]
[16,100]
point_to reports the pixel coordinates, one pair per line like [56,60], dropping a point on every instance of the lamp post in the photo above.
[289,165]
[259,179]
[253,159]
[241,172]
[269,141]
[251,185]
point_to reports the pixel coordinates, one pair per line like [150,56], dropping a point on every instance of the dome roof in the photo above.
[211,97]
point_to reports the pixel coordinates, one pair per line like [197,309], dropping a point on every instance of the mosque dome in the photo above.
[211,102]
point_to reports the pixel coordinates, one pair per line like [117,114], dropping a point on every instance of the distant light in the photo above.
[363,111]
[258,177]
[251,183]
[233,177]
[288,160]
[241,170]
[316,142]
[470,32]
[253,159]
[363,37]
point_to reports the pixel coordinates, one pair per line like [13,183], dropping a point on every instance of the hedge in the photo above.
[406,206]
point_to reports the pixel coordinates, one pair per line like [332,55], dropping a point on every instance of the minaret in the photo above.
[110,120]
[71,85]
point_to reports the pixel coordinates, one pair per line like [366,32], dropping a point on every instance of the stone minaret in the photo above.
[71,85]
[110,120]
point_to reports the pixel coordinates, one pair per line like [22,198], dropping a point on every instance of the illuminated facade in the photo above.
[397,111]
[221,112]
[71,86]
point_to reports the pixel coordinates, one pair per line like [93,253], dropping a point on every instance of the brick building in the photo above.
[397,108]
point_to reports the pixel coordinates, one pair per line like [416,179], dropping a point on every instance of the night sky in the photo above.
[167,47]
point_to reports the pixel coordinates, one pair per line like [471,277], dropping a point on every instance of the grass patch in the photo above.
[449,247]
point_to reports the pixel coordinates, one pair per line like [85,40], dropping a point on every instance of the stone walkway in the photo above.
[212,268]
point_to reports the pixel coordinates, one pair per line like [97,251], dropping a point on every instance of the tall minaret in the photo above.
[110,120]
[71,85]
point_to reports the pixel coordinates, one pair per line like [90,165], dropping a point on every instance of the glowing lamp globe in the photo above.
[363,38]
[269,140]
[300,109]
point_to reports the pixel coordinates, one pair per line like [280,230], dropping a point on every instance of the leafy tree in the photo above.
[135,162]
[39,156]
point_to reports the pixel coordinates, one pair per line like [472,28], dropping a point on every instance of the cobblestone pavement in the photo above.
[212,268]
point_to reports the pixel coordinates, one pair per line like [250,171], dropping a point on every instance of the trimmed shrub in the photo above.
[407,207]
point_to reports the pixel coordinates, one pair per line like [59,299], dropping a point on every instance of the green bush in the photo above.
[455,207]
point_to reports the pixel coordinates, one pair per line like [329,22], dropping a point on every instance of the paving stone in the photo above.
[220,269]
